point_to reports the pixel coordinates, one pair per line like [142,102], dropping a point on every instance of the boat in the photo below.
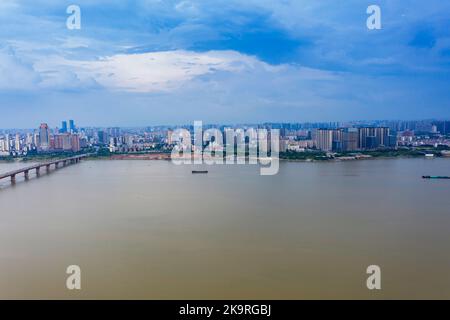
[199,171]
[435,177]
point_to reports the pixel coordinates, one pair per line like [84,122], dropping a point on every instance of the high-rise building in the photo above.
[36,138]
[114,132]
[392,141]
[63,127]
[373,137]
[338,140]
[169,137]
[29,140]
[44,137]
[324,139]
[382,136]
[72,128]
[352,139]
[434,129]
[75,143]
[17,142]
[67,142]
[365,135]
[103,137]
[58,142]
[7,145]
[350,142]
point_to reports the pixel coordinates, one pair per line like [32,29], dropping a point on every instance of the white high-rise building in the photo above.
[17,143]
[324,139]
[7,148]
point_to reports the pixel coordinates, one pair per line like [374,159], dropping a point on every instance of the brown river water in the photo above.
[153,230]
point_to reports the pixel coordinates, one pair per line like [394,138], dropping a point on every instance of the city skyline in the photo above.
[255,62]
[295,137]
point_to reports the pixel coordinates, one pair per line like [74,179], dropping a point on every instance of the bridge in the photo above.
[37,167]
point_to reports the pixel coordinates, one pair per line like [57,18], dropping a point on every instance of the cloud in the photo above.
[225,60]
[152,71]
[187,8]
[16,74]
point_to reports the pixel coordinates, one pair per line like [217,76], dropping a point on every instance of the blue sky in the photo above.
[144,62]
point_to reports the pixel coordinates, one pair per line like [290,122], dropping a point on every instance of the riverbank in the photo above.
[308,156]
[150,156]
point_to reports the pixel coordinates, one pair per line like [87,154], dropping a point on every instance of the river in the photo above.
[153,230]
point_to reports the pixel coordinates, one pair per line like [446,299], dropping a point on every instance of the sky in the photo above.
[149,62]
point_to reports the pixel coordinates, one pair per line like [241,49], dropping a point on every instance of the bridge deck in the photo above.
[39,165]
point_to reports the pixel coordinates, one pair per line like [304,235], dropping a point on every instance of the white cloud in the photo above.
[164,71]
[150,72]
[76,42]
[14,73]
[187,8]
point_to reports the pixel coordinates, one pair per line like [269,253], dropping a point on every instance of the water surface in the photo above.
[150,229]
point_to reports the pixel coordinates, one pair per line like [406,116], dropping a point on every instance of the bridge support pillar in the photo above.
[26,174]
[38,171]
[47,167]
[13,179]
